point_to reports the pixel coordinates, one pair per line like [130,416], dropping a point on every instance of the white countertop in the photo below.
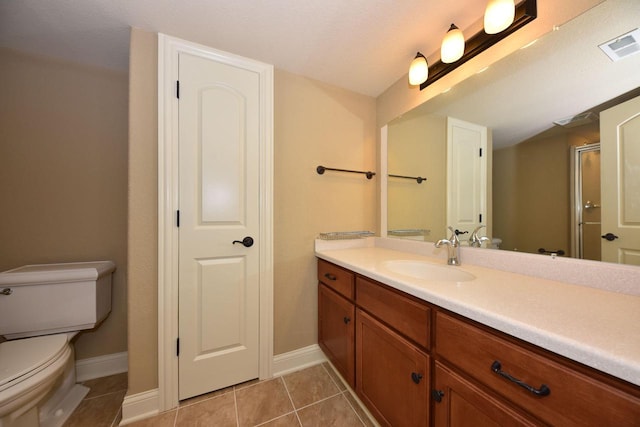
[596,327]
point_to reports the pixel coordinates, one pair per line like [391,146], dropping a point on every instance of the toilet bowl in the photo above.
[42,309]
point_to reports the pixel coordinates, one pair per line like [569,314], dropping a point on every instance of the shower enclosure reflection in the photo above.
[586,225]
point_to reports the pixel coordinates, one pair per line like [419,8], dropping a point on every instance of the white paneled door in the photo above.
[466,175]
[620,182]
[219,204]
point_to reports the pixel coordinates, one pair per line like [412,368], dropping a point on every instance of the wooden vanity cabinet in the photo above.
[336,318]
[406,358]
[543,385]
[392,374]
[458,402]
[392,365]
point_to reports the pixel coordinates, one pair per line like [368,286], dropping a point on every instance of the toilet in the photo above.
[42,308]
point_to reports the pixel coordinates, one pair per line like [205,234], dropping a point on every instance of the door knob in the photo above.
[609,236]
[247,241]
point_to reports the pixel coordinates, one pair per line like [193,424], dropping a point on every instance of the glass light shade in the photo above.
[419,70]
[452,47]
[499,15]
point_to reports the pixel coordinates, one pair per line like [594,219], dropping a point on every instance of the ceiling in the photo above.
[361,45]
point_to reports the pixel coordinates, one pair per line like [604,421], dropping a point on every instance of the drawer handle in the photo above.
[346,320]
[542,391]
[416,377]
[330,276]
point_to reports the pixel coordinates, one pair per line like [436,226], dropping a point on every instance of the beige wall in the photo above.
[418,147]
[143,212]
[314,124]
[531,197]
[532,187]
[63,175]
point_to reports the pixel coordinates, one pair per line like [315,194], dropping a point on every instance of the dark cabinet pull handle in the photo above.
[437,395]
[346,320]
[416,377]
[609,236]
[330,276]
[542,391]
[247,241]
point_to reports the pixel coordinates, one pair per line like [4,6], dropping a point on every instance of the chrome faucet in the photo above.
[474,240]
[453,247]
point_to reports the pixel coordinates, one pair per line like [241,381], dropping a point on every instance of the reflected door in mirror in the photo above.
[620,136]
[466,175]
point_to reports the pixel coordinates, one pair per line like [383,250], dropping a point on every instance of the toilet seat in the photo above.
[24,358]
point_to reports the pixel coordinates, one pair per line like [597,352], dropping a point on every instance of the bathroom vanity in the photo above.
[477,346]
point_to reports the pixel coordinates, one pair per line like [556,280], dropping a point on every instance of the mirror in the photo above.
[563,77]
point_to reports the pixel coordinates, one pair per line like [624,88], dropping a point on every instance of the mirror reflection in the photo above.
[542,108]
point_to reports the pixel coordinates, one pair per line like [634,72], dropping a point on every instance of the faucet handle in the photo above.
[456,231]
[475,240]
[477,229]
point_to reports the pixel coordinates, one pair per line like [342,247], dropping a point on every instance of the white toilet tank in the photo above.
[47,299]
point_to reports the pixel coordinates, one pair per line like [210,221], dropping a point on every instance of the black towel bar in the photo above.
[321,169]
[418,179]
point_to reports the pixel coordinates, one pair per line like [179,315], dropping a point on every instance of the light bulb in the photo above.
[499,15]
[419,70]
[452,47]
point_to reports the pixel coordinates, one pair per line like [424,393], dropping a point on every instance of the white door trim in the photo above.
[168,50]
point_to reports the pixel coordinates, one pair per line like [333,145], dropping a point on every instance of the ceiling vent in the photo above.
[622,46]
[577,120]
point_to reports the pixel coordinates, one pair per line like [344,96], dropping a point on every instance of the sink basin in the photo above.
[427,271]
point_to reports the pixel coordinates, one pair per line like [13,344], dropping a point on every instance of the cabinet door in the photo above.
[336,331]
[573,398]
[392,374]
[459,403]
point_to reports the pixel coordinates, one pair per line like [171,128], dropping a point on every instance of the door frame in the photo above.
[169,49]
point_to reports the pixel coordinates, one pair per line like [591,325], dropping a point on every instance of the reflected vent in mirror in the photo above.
[577,120]
[622,46]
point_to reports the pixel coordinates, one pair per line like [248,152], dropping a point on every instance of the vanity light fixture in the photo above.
[525,11]
[419,70]
[499,15]
[452,47]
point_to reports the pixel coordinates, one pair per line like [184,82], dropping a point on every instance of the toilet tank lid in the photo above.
[56,273]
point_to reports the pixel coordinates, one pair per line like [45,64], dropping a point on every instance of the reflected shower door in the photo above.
[587,206]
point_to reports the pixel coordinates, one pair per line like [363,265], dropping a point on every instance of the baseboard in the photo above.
[297,359]
[140,406]
[101,366]
[145,405]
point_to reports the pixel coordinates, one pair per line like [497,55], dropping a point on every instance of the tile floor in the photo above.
[314,396]
[102,406]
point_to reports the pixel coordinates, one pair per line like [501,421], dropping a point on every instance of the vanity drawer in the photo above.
[337,278]
[575,398]
[406,315]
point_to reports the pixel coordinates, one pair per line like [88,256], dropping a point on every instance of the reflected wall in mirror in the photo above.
[417,210]
[533,200]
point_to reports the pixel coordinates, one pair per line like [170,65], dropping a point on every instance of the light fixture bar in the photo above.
[526,11]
